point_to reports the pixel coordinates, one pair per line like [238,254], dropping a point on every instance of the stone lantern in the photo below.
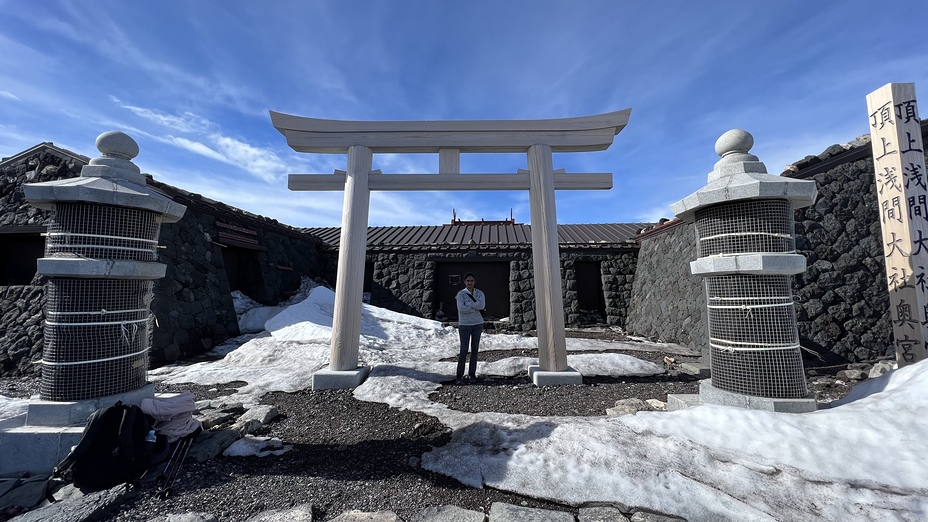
[100,260]
[746,255]
[100,257]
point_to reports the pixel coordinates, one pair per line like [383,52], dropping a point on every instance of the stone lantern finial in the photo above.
[117,144]
[735,140]
[734,147]
[118,149]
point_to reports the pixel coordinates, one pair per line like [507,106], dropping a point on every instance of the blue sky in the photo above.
[192,82]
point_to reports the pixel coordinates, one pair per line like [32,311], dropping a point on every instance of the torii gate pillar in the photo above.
[538,138]
[349,283]
[549,299]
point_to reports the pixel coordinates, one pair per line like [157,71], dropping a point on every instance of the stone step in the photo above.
[76,413]
[36,449]
[682,401]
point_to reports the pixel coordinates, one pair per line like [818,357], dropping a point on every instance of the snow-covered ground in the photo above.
[862,459]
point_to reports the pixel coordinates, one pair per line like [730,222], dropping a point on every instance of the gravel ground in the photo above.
[349,454]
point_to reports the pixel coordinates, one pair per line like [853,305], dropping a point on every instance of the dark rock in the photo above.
[601,514]
[23,494]
[447,514]
[94,506]
[503,511]
[211,444]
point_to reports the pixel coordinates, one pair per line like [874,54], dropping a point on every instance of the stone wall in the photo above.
[193,301]
[842,303]
[522,292]
[21,313]
[21,328]
[192,304]
[618,276]
[668,303]
[405,283]
[617,271]
[38,168]
[842,298]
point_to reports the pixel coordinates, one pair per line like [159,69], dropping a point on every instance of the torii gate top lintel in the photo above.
[582,134]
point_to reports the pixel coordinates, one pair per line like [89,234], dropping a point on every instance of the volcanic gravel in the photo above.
[353,455]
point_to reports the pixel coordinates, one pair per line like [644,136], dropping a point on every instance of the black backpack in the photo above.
[112,449]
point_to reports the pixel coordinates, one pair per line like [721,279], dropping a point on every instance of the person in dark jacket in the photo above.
[470,325]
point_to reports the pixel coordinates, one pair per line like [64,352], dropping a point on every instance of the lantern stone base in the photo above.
[548,378]
[709,394]
[339,379]
[38,440]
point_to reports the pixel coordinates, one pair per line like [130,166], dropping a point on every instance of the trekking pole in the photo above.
[168,488]
[165,487]
[184,447]
[162,477]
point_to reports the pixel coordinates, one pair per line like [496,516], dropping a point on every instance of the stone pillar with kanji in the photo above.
[899,166]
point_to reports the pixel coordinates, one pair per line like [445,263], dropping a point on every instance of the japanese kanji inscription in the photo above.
[899,166]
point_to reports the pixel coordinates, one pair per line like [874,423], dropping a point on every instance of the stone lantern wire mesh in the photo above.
[751,313]
[746,227]
[753,339]
[738,372]
[103,232]
[97,337]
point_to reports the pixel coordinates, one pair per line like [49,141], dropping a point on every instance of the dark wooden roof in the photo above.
[225,212]
[487,236]
[45,146]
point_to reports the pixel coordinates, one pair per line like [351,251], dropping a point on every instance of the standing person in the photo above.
[470,325]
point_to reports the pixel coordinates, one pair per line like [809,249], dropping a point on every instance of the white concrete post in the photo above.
[346,321]
[549,303]
[449,161]
[899,165]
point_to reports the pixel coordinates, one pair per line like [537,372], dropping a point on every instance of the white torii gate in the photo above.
[361,139]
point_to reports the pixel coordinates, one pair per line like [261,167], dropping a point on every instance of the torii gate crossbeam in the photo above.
[539,139]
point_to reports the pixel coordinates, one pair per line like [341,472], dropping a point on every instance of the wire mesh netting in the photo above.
[775,374]
[103,232]
[751,311]
[753,336]
[97,335]
[745,227]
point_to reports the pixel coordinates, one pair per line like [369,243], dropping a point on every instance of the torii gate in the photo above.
[361,139]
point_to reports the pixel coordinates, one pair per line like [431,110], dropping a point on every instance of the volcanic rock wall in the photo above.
[842,303]
[668,303]
[405,283]
[192,304]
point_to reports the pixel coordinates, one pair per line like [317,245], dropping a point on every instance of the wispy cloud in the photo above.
[262,163]
[95,30]
[196,148]
[406,163]
[187,122]
[9,96]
